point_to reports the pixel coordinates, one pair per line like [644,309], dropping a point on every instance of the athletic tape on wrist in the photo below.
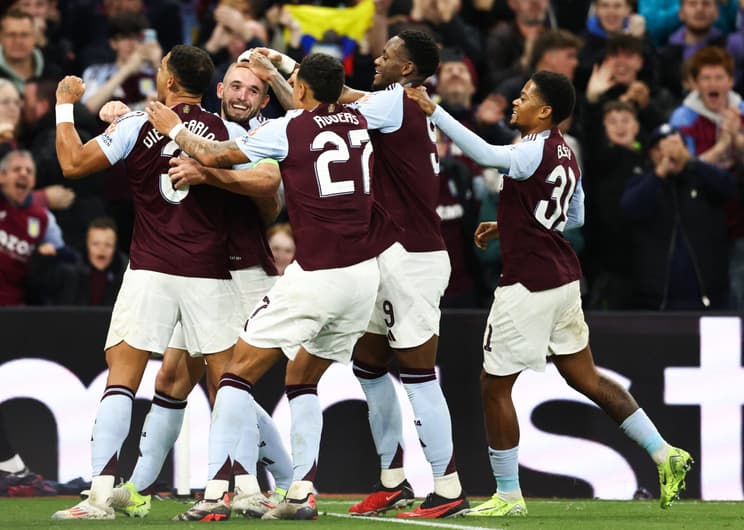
[64,113]
[175,130]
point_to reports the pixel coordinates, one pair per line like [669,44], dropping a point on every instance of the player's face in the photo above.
[526,108]
[713,84]
[101,243]
[389,66]
[18,179]
[243,95]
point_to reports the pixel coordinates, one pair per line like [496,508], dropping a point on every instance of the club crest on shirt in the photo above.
[34,227]
[186,109]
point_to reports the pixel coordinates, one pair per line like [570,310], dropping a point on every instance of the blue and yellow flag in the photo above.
[349,23]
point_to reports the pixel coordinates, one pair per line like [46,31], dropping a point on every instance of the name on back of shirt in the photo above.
[197,127]
[341,117]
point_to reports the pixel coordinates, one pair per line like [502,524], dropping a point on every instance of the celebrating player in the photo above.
[321,305]
[242,96]
[536,310]
[178,268]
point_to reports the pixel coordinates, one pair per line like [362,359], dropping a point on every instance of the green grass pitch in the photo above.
[569,514]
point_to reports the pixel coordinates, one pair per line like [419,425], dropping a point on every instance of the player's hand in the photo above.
[58,197]
[420,96]
[262,67]
[70,90]
[185,172]
[161,117]
[272,55]
[112,110]
[484,233]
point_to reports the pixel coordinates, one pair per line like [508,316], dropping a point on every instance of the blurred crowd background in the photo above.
[657,129]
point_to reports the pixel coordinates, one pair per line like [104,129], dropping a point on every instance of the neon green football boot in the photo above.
[129,501]
[672,473]
[498,507]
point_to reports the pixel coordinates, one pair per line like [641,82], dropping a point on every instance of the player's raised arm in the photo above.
[475,147]
[264,63]
[208,152]
[75,159]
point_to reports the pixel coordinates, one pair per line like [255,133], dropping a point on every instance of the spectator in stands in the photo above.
[86,25]
[10,116]
[612,17]
[677,216]
[613,155]
[662,17]
[48,32]
[456,84]
[234,31]
[710,117]
[458,207]
[39,137]
[24,227]
[617,78]
[442,17]
[555,51]
[20,59]
[95,279]
[509,44]
[131,78]
[282,245]
[698,31]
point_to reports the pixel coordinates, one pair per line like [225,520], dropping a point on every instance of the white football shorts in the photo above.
[325,311]
[524,328]
[252,284]
[411,286]
[150,304]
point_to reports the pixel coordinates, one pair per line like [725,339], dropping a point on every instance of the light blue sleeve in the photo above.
[269,140]
[53,232]
[383,109]
[119,139]
[575,214]
[517,161]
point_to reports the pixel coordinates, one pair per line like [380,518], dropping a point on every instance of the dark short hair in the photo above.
[619,106]
[324,75]
[557,91]
[422,51]
[710,56]
[553,39]
[622,42]
[192,68]
[103,223]
[127,25]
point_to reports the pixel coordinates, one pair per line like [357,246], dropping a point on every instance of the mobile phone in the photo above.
[149,35]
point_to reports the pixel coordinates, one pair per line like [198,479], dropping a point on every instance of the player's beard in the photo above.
[242,119]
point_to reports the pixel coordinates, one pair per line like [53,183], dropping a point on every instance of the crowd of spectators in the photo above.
[657,129]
